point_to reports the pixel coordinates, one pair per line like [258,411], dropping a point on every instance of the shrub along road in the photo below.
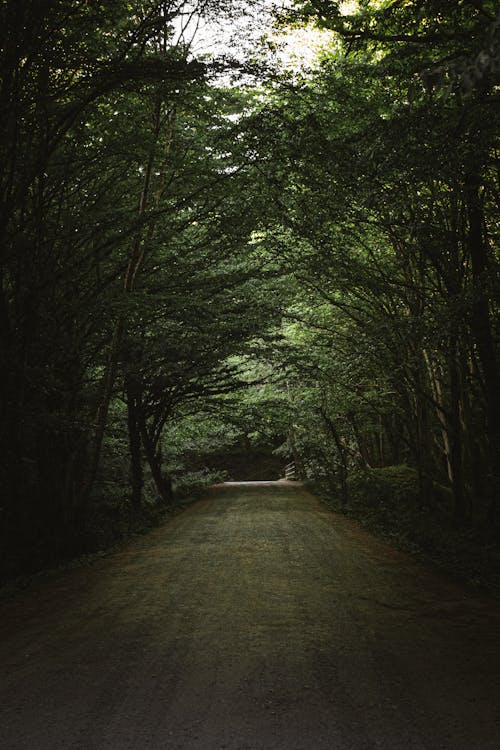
[255,620]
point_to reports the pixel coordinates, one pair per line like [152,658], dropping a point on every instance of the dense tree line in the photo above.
[307,262]
[384,178]
[126,276]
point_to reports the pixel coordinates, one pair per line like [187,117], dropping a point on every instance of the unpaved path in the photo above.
[255,620]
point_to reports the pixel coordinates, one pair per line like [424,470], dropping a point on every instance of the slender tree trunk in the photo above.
[297,458]
[437,394]
[448,418]
[394,430]
[381,442]
[423,450]
[135,447]
[101,418]
[482,330]
[363,453]
[342,454]
[456,448]
[162,481]
[473,448]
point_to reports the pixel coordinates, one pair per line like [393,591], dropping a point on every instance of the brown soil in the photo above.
[255,620]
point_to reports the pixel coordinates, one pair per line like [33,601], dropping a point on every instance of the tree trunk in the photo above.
[162,481]
[342,453]
[423,441]
[455,432]
[363,453]
[482,330]
[134,441]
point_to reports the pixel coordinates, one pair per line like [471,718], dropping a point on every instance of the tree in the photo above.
[91,194]
[370,170]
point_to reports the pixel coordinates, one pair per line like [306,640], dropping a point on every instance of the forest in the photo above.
[220,258]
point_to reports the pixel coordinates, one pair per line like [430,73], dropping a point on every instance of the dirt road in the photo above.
[255,620]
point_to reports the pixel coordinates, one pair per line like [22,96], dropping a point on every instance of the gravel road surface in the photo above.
[255,620]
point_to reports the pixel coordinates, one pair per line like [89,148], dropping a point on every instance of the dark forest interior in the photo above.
[218,262]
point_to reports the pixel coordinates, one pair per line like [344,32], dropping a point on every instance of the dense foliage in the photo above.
[388,200]
[305,268]
[127,275]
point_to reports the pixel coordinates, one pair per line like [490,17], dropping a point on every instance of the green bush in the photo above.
[192,483]
[389,486]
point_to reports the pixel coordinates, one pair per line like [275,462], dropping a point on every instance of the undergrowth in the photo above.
[386,501]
